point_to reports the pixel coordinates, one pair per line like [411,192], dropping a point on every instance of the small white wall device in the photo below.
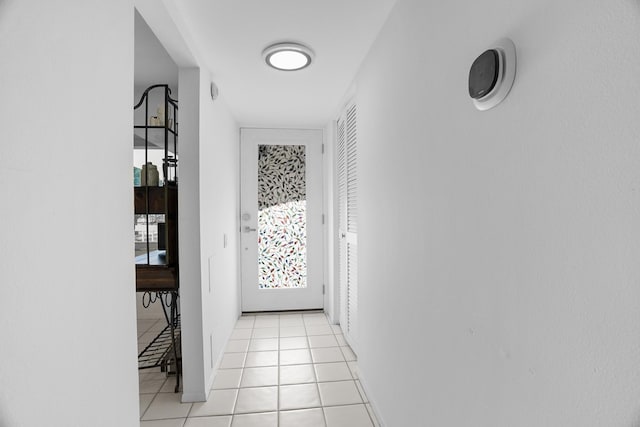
[492,74]
[214,91]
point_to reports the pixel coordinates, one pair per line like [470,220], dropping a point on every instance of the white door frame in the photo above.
[253,298]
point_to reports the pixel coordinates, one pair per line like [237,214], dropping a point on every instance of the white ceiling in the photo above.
[231,34]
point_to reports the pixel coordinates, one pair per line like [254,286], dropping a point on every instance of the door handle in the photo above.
[248,229]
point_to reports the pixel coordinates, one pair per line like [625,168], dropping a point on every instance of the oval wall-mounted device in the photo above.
[492,74]
[214,91]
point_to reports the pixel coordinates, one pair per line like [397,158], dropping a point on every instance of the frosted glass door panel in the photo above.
[282,217]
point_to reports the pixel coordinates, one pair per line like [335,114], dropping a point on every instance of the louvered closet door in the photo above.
[348,222]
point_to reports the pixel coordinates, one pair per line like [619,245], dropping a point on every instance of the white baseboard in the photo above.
[194,397]
[372,401]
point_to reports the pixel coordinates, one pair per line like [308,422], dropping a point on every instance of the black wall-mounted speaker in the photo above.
[484,74]
[492,75]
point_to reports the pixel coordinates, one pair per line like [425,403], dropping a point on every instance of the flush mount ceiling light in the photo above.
[288,56]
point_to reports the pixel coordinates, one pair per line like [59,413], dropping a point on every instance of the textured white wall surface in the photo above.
[219,184]
[208,211]
[511,295]
[67,323]
[189,238]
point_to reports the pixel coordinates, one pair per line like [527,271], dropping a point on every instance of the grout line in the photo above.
[148,406]
[315,374]
[235,403]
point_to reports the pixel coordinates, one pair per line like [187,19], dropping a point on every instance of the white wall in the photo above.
[219,215]
[499,250]
[68,339]
[208,210]
[331,274]
[191,285]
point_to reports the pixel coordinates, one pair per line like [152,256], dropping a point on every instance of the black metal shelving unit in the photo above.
[156,207]
[164,350]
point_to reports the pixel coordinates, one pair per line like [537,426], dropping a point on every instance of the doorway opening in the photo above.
[281,220]
[154,158]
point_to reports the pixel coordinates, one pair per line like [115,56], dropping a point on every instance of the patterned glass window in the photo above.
[282,217]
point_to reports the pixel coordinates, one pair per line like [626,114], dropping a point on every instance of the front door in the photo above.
[281,219]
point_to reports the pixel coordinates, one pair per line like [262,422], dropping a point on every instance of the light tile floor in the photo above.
[278,370]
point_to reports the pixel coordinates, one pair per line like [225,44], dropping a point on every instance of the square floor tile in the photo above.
[261,358]
[220,402]
[261,399]
[159,325]
[291,321]
[316,320]
[145,400]
[227,378]
[232,360]
[293,343]
[297,374]
[339,393]
[333,372]
[319,330]
[341,341]
[245,323]
[317,341]
[255,420]
[349,355]
[299,396]
[347,416]
[237,346]
[290,315]
[241,334]
[267,322]
[151,374]
[319,314]
[259,377]
[209,422]
[266,333]
[147,337]
[295,357]
[305,417]
[143,325]
[326,355]
[293,331]
[169,386]
[264,344]
[150,386]
[167,405]
[174,422]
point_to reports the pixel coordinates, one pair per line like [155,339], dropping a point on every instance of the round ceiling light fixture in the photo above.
[288,56]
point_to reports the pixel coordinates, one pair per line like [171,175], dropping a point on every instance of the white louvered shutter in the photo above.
[342,218]
[348,221]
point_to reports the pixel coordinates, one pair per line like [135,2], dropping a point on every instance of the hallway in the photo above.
[499,247]
[286,370]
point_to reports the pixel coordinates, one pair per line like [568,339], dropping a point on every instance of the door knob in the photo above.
[248,229]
